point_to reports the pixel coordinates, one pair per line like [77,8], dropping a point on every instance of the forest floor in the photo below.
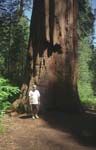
[52,131]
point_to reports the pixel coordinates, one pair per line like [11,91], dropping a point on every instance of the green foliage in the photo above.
[85,55]
[14,33]
[85,18]
[7,92]
[85,75]
[90,104]
[18,49]
[93,68]
[85,91]
[85,58]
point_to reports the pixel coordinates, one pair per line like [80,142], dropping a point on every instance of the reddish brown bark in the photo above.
[52,53]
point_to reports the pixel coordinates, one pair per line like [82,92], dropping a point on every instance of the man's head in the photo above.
[34,87]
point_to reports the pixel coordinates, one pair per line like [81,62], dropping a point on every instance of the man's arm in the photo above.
[30,97]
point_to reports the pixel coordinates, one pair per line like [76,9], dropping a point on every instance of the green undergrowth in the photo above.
[8,92]
[88,100]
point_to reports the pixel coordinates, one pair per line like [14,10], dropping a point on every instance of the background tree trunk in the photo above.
[52,54]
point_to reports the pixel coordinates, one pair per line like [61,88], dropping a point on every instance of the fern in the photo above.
[7,92]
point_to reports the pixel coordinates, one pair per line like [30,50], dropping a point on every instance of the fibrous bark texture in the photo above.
[52,53]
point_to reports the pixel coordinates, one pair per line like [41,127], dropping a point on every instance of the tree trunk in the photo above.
[52,54]
[21,7]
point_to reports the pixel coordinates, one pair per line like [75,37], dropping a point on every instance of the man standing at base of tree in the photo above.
[34,101]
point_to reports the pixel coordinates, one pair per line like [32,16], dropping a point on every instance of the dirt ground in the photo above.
[52,131]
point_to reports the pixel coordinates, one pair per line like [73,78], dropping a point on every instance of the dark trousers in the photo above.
[34,109]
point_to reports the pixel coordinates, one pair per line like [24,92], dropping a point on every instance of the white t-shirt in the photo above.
[34,97]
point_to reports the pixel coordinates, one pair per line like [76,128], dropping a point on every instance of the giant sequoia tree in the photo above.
[52,54]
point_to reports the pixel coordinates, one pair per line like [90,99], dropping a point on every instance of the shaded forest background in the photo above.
[14,36]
